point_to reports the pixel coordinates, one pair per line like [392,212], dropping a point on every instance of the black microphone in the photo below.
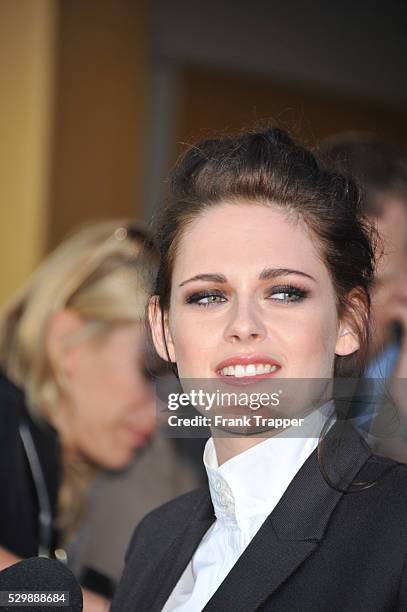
[40,585]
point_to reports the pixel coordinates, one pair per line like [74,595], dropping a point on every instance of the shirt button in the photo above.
[218,485]
[224,500]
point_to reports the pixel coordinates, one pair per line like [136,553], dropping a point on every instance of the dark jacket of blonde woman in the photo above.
[20,530]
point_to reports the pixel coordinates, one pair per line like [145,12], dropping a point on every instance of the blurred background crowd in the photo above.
[97,100]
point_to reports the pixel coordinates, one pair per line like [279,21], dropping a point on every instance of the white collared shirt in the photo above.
[244,491]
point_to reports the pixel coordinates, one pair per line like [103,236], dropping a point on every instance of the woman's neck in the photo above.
[228,447]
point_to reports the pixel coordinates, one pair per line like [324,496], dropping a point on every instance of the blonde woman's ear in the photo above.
[160,330]
[62,325]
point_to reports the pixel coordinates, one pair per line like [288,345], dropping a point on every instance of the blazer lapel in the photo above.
[178,558]
[263,566]
[294,529]
[174,560]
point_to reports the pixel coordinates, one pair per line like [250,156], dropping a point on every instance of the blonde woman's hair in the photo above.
[104,273]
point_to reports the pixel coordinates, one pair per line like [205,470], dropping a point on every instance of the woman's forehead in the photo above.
[232,236]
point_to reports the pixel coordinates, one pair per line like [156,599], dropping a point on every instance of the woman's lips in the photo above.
[139,438]
[245,369]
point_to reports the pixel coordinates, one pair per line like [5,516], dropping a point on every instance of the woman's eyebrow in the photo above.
[266,274]
[215,278]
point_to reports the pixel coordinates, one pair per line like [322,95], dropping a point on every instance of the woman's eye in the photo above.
[209,299]
[285,297]
[206,298]
[287,294]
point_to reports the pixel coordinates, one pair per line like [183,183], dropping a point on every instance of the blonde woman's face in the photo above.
[109,411]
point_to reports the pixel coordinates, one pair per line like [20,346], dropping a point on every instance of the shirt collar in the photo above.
[251,483]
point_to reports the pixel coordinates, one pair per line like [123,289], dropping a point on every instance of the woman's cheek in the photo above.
[194,348]
[309,356]
[187,353]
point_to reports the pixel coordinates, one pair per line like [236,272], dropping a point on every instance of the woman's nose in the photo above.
[245,324]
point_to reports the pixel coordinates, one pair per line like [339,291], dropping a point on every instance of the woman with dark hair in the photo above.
[380,168]
[266,265]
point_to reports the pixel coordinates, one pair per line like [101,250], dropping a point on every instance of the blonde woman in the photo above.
[74,392]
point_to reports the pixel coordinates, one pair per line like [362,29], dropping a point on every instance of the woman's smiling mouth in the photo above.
[247,368]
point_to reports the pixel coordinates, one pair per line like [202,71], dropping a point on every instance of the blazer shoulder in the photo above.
[385,467]
[388,480]
[177,510]
[167,520]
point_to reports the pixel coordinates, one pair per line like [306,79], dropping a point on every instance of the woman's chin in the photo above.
[119,462]
[115,459]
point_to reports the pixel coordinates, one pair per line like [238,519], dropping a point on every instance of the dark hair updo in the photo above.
[270,169]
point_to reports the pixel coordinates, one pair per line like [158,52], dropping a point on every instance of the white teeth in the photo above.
[239,371]
[249,370]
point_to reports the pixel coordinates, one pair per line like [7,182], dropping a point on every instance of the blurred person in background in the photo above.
[381,170]
[166,468]
[74,391]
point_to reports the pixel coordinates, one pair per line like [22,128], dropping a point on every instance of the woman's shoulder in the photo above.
[382,483]
[385,468]
[12,407]
[14,464]
[175,511]
[164,522]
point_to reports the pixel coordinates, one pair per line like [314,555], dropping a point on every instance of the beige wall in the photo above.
[217,102]
[100,112]
[26,85]
[73,81]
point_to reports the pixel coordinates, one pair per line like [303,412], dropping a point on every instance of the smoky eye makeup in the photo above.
[279,294]
[205,297]
[287,293]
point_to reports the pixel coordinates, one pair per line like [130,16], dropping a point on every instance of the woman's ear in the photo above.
[347,341]
[353,319]
[61,326]
[160,330]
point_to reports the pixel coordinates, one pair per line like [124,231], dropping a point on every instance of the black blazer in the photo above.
[320,549]
[19,508]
